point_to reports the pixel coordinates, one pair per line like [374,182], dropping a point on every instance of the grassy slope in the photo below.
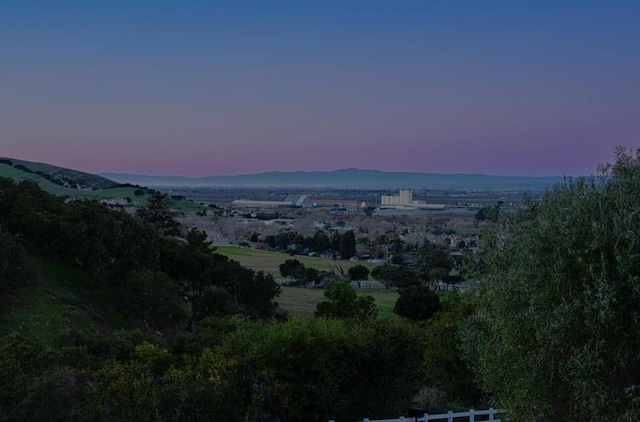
[86,179]
[103,194]
[62,300]
[269,262]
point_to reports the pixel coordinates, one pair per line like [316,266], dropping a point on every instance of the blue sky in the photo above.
[210,87]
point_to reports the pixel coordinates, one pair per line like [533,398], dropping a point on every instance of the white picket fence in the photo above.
[471,415]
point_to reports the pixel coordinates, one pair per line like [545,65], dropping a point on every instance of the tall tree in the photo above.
[197,239]
[557,333]
[348,244]
[159,214]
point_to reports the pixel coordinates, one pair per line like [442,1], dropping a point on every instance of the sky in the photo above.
[199,88]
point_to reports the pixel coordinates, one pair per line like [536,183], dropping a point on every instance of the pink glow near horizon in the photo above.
[209,88]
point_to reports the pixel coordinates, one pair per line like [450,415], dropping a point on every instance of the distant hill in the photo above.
[61,176]
[79,185]
[70,183]
[349,178]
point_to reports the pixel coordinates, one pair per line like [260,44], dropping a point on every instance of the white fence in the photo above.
[449,416]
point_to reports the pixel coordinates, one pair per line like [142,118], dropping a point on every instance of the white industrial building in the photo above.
[290,201]
[405,200]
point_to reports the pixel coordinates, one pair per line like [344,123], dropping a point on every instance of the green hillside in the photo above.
[93,186]
[61,301]
[61,175]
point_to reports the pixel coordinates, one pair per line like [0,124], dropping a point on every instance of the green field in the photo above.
[269,262]
[303,301]
[300,300]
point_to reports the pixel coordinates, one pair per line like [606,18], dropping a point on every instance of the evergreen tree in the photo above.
[159,214]
[348,245]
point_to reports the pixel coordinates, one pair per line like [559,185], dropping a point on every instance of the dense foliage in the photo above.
[557,333]
[417,303]
[228,370]
[342,301]
[130,258]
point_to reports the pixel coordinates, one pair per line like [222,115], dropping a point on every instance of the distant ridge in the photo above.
[60,175]
[348,179]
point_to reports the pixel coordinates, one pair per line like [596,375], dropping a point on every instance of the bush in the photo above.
[416,303]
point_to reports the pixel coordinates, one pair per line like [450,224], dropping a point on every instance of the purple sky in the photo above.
[200,88]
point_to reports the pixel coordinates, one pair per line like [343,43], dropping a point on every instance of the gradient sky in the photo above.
[198,88]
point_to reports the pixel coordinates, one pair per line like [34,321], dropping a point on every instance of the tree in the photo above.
[292,268]
[395,275]
[158,213]
[348,245]
[312,275]
[433,257]
[343,302]
[16,267]
[490,212]
[256,294]
[108,244]
[197,239]
[445,367]
[358,272]
[416,303]
[557,334]
[328,369]
[152,298]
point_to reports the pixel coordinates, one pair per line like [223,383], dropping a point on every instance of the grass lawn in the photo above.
[303,301]
[269,262]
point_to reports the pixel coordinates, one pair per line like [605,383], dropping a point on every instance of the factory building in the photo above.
[289,201]
[405,200]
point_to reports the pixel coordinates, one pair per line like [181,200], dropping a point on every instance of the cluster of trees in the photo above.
[431,263]
[229,369]
[135,259]
[336,243]
[301,274]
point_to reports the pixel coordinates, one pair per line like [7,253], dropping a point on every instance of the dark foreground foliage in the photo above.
[229,370]
[557,332]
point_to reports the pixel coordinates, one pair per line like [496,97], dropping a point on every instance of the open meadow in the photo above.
[269,262]
[300,300]
[303,301]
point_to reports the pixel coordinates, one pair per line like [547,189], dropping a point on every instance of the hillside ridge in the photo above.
[349,178]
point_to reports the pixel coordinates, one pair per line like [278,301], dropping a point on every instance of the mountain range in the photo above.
[348,179]
[340,179]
